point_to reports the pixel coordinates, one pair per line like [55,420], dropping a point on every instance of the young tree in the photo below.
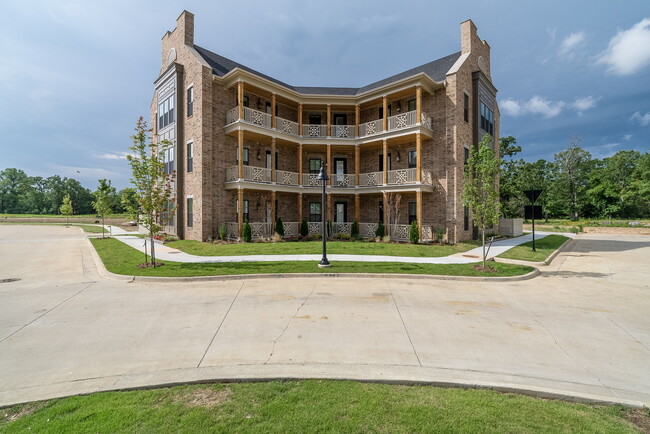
[480,192]
[66,209]
[129,201]
[152,185]
[574,165]
[102,202]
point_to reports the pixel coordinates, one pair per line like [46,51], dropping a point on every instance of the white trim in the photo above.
[189,196]
[459,62]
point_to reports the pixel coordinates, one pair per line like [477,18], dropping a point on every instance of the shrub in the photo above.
[247,233]
[222,232]
[343,236]
[279,227]
[354,231]
[414,233]
[440,233]
[380,232]
[304,228]
[314,237]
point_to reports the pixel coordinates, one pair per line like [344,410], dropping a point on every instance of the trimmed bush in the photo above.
[304,228]
[440,233]
[247,233]
[354,230]
[414,233]
[380,231]
[222,232]
[279,227]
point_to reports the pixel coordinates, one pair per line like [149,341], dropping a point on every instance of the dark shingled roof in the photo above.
[436,70]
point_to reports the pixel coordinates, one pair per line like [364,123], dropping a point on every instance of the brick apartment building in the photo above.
[249,147]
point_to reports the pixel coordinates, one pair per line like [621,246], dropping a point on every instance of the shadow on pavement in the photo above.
[571,274]
[586,245]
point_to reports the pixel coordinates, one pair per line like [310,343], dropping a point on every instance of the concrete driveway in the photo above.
[582,328]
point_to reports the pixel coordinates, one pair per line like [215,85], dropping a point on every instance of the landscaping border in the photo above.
[569,243]
[103,271]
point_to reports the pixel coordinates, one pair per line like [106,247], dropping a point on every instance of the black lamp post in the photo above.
[322,176]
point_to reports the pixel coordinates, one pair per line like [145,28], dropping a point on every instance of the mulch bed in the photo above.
[149,265]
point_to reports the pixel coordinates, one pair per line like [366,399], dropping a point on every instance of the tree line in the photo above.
[575,185]
[23,194]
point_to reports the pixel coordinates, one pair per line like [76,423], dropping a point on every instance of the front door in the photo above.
[340,167]
[340,212]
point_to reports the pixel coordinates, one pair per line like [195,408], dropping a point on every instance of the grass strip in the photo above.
[544,247]
[315,247]
[315,406]
[122,259]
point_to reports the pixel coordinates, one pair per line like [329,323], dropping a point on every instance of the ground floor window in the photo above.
[466,218]
[314,212]
[190,212]
[245,209]
[413,212]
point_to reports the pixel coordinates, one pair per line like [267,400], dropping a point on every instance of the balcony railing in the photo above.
[344,131]
[286,178]
[370,128]
[370,179]
[314,131]
[251,173]
[286,126]
[408,176]
[343,180]
[262,119]
[311,180]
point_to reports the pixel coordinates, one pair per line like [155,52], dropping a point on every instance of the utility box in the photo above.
[511,227]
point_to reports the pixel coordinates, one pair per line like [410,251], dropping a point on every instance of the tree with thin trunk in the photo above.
[574,165]
[152,183]
[480,187]
[66,209]
[102,202]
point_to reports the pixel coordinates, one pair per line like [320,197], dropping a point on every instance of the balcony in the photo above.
[314,131]
[338,180]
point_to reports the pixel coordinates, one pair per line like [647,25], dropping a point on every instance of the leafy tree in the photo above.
[480,187]
[66,208]
[574,165]
[380,231]
[102,202]
[14,183]
[129,202]
[638,192]
[511,183]
[414,234]
[152,185]
[279,227]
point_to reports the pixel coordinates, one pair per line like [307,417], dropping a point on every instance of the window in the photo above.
[190,156]
[411,104]
[190,212]
[314,119]
[167,213]
[466,107]
[381,111]
[465,218]
[487,119]
[340,119]
[412,159]
[246,101]
[245,209]
[413,212]
[314,165]
[268,107]
[168,157]
[268,159]
[190,101]
[315,212]
[465,155]
[381,162]
[166,112]
[246,154]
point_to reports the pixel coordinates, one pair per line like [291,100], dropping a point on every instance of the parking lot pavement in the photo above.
[579,329]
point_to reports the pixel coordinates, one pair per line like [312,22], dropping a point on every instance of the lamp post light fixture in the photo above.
[322,176]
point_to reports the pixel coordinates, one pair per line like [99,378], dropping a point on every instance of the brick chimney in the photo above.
[185,25]
[468,36]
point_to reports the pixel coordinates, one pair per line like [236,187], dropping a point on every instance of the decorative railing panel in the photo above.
[311,130]
[427,178]
[257,174]
[286,178]
[402,120]
[399,232]
[425,120]
[343,180]
[402,176]
[311,180]
[232,230]
[367,230]
[341,228]
[231,115]
[231,173]
[286,126]
[291,229]
[260,230]
[370,179]
[315,228]
[427,233]
[257,117]
[344,131]
[370,128]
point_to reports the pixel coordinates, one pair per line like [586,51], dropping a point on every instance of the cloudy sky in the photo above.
[75,75]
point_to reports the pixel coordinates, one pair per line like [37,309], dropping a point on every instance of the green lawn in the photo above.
[316,247]
[122,259]
[544,247]
[314,406]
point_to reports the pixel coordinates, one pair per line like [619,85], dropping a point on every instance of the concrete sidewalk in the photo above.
[166,253]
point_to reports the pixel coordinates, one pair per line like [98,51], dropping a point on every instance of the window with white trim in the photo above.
[190,212]
[190,156]
[190,101]
[166,112]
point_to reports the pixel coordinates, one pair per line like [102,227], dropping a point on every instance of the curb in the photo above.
[569,243]
[129,279]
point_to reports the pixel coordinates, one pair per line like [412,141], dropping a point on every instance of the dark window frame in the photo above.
[412,216]
[412,158]
[414,106]
[466,107]
[320,163]
[190,156]
[190,101]
[190,211]
[315,218]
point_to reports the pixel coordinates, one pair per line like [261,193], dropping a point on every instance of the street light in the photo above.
[322,176]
